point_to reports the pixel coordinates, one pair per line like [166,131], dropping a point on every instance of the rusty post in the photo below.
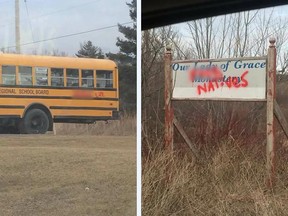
[271,83]
[169,114]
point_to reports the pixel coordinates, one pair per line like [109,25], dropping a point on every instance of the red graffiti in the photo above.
[230,82]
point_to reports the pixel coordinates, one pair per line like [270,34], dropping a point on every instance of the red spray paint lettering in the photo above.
[231,82]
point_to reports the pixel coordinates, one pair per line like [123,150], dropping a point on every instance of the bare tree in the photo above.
[154,42]
[234,35]
[237,35]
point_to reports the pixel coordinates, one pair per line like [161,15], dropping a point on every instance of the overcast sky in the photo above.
[278,23]
[42,19]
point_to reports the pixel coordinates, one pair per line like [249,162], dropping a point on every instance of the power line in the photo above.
[29,20]
[55,12]
[5,1]
[70,35]
[65,9]
[9,20]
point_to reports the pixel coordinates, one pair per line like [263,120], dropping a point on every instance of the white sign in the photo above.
[41,70]
[243,79]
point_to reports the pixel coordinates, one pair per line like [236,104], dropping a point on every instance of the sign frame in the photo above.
[270,92]
[211,98]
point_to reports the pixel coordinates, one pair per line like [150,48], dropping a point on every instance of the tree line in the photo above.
[125,59]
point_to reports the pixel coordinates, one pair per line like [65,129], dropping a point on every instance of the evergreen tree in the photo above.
[87,49]
[126,59]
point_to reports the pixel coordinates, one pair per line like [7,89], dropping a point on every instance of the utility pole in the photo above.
[17,26]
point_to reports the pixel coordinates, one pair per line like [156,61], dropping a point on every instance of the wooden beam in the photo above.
[271,83]
[185,137]
[169,114]
[281,118]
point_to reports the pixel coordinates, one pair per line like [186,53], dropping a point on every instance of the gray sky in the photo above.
[54,18]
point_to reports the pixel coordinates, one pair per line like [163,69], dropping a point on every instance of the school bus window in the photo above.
[41,76]
[104,79]
[8,75]
[57,77]
[72,77]
[87,78]
[25,75]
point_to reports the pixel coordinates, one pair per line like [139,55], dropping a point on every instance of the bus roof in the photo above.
[56,61]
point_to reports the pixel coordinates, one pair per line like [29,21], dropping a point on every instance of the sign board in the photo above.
[229,79]
[41,70]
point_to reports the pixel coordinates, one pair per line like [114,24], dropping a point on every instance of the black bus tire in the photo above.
[35,121]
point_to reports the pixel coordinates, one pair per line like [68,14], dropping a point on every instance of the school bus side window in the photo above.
[72,77]
[41,76]
[8,75]
[104,79]
[25,75]
[57,77]
[87,79]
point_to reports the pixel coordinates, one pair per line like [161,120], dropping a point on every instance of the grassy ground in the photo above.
[126,126]
[230,182]
[67,175]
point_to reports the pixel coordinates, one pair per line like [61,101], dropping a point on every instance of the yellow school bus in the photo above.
[36,91]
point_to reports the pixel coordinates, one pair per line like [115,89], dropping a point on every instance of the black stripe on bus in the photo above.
[84,117]
[82,108]
[9,116]
[58,97]
[11,107]
[57,87]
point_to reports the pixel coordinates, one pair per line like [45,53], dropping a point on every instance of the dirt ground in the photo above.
[67,175]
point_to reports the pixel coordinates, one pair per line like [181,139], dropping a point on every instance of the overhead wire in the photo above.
[69,35]
[5,20]
[5,1]
[65,9]
[29,20]
[55,12]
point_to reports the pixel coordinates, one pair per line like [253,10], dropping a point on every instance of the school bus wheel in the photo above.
[35,121]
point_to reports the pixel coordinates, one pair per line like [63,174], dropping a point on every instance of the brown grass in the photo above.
[50,175]
[126,126]
[229,182]
[230,136]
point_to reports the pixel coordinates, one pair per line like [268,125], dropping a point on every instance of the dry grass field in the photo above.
[230,182]
[230,176]
[67,175]
[126,126]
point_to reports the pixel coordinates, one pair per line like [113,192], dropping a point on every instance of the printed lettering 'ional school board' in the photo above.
[36,91]
[229,79]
